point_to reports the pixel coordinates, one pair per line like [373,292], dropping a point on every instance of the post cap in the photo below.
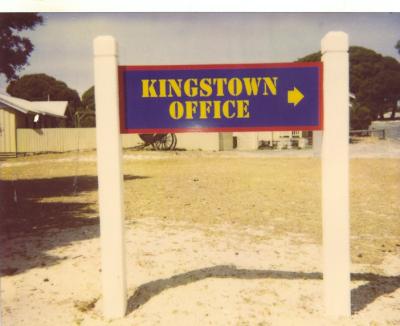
[105,45]
[335,42]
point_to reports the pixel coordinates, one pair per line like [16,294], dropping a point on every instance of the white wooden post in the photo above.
[110,178]
[335,175]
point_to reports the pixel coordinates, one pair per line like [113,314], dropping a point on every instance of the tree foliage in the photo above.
[313,57]
[398,46]
[41,87]
[360,117]
[15,50]
[374,80]
[86,115]
[88,99]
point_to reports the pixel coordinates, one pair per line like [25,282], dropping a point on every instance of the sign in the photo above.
[248,97]
[297,86]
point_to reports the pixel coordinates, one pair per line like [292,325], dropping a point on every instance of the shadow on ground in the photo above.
[377,285]
[37,215]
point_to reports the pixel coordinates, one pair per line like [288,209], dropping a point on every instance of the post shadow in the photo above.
[377,285]
[28,221]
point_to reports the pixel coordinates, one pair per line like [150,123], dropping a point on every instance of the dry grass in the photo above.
[374,208]
[280,193]
[276,195]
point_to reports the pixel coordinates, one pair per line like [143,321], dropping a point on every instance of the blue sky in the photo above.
[63,45]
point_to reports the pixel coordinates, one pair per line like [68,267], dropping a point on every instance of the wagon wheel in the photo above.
[166,142]
[149,139]
[170,140]
[175,141]
[158,140]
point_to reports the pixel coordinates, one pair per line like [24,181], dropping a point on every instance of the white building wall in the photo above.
[246,141]
[7,131]
[207,141]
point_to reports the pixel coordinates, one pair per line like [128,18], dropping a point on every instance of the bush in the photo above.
[360,117]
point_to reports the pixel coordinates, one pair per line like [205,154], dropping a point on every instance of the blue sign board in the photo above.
[248,97]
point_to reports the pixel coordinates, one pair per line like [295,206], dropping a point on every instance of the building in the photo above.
[270,139]
[18,113]
[29,127]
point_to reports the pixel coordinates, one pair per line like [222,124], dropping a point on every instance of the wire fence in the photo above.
[378,133]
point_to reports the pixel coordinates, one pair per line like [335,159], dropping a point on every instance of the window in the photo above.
[296,134]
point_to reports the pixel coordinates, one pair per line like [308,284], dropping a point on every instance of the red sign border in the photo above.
[122,69]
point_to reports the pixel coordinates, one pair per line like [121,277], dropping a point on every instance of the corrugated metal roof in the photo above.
[52,108]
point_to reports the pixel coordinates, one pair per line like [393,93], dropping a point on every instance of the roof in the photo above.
[51,108]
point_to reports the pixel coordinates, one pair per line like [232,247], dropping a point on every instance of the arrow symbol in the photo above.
[294,96]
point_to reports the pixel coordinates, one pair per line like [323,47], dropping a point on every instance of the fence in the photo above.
[380,133]
[63,140]
[391,127]
[72,139]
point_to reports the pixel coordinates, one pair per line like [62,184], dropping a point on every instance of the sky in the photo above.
[63,44]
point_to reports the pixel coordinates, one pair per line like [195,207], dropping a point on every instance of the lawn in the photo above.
[211,238]
[282,195]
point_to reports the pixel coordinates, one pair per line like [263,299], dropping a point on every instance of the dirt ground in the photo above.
[212,238]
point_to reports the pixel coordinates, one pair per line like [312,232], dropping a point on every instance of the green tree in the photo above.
[313,57]
[15,50]
[41,87]
[86,116]
[360,117]
[374,80]
[88,99]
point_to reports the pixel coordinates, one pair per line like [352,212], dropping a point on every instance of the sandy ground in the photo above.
[211,251]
